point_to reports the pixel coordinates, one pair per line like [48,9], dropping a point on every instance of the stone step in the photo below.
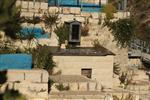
[68,97]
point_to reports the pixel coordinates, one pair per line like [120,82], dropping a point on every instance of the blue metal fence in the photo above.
[85,6]
[71,3]
[15,61]
[36,31]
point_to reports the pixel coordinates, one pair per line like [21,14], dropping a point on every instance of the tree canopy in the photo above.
[9,18]
[137,26]
[140,12]
[62,33]
[122,30]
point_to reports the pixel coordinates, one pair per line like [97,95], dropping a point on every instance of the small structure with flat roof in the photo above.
[95,65]
[74,31]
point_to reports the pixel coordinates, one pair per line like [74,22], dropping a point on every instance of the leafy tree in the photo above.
[109,10]
[137,26]
[122,30]
[62,33]
[140,11]
[42,58]
[9,18]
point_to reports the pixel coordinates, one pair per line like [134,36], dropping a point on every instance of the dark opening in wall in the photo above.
[86,72]
[75,32]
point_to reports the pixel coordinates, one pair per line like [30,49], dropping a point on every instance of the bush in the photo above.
[62,33]
[70,46]
[116,69]
[122,30]
[85,30]
[61,87]
[96,44]
[13,95]
[100,19]
[42,58]
[125,97]
[109,10]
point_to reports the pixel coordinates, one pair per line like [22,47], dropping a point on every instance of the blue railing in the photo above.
[15,61]
[71,3]
[36,31]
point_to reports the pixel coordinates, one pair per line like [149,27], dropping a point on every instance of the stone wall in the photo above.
[135,63]
[95,31]
[102,67]
[32,83]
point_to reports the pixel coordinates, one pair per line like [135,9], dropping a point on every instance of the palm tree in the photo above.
[50,21]
[30,34]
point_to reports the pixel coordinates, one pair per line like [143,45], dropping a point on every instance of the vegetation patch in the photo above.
[61,87]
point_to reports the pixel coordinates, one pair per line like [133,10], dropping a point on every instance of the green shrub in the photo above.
[96,44]
[109,10]
[13,95]
[100,19]
[70,46]
[50,20]
[42,58]
[124,97]
[62,33]
[116,69]
[61,87]
[85,30]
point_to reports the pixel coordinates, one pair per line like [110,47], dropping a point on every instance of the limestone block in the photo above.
[31,10]
[31,5]
[73,86]
[15,76]
[103,2]
[67,17]
[32,88]
[66,10]
[96,1]
[84,14]
[33,77]
[44,76]
[81,19]
[93,21]
[75,10]
[95,15]
[92,86]
[37,5]
[83,86]
[44,6]
[53,9]
[27,14]
[18,3]
[23,10]
[24,4]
